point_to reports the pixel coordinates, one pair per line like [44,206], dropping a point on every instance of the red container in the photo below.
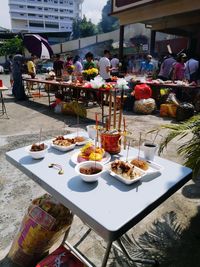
[1,83]
[111,143]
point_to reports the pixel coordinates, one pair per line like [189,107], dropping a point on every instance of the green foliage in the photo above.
[108,23]
[83,28]
[9,47]
[190,149]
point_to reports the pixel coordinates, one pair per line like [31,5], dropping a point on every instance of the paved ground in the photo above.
[171,233]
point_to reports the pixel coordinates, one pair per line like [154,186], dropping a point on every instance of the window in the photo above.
[35,24]
[53,26]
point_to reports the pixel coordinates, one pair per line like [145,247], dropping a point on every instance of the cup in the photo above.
[149,150]
[92,132]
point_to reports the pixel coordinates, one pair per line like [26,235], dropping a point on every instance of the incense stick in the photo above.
[121,110]
[115,110]
[110,107]
[124,133]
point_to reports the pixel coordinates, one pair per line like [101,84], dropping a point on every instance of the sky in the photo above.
[91,8]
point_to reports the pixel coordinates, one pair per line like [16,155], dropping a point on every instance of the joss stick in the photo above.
[107,124]
[127,152]
[96,118]
[124,133]
[115,110]
[121,110]
[110,106]
[139,146]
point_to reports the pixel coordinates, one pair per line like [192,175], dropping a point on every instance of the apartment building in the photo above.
[44,15]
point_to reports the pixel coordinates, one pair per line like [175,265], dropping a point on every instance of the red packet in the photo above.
[61,257]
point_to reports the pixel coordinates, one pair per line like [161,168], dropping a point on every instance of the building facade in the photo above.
[44,15]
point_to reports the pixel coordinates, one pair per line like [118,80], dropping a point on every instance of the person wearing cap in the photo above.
[179,67]
[147,66]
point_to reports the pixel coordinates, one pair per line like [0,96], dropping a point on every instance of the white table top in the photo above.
[108,206]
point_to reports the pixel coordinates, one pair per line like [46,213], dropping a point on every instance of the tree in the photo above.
[108,23]
[83,28]
[11,46]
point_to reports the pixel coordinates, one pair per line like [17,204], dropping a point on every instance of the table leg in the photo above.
[106,255]
[48,89]
[3,110]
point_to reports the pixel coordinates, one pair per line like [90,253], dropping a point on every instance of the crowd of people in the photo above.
[172,67]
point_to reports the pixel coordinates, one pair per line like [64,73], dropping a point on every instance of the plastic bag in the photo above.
[73,108]
[142,91]
[184,111]
[168,110]
[144,106]
[44,223]
[61,257]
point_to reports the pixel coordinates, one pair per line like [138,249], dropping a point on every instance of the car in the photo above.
[45,67]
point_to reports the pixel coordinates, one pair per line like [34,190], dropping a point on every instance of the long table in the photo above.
[108,207]
[63,86]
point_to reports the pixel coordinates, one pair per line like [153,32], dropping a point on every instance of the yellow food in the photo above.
[95,156]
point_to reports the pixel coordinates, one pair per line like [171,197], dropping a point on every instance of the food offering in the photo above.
[90,152]
[63,144]
[80,140]
[37,147]
[142,164]
[89,171]
[37,151]
[125,172]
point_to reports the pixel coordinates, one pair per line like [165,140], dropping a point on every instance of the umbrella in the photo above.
[38,46]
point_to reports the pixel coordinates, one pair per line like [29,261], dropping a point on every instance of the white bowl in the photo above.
[37,154]
[86,177]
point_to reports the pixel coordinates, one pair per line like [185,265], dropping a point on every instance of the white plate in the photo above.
[106,158]
[123,179]
[63,148]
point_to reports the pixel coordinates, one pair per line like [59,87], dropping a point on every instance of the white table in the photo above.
[108,206]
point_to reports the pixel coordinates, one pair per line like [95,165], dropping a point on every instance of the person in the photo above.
[105,66]
[166,67]
[147,65]
[78,65]
[31,66]
[192,69]
[8,66]
[115,65]
[58,66]
[89,61]
[68,66]
[179,67]
[18,87]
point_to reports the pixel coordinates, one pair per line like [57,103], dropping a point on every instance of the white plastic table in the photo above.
[108,206]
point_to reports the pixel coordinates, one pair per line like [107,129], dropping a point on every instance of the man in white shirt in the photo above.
[104,66]
[115,66]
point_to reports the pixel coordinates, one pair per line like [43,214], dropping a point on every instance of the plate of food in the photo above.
[91,153]
[63,143]
[81,140]
[125,171]
[147,166]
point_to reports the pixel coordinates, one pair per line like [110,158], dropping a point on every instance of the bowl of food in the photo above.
[89,171]
[37,151]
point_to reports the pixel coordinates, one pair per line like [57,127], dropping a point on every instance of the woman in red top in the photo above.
[179,68]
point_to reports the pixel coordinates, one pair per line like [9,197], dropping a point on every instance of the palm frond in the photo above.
[190,149]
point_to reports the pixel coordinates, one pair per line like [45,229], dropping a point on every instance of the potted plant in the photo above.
[190,149]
